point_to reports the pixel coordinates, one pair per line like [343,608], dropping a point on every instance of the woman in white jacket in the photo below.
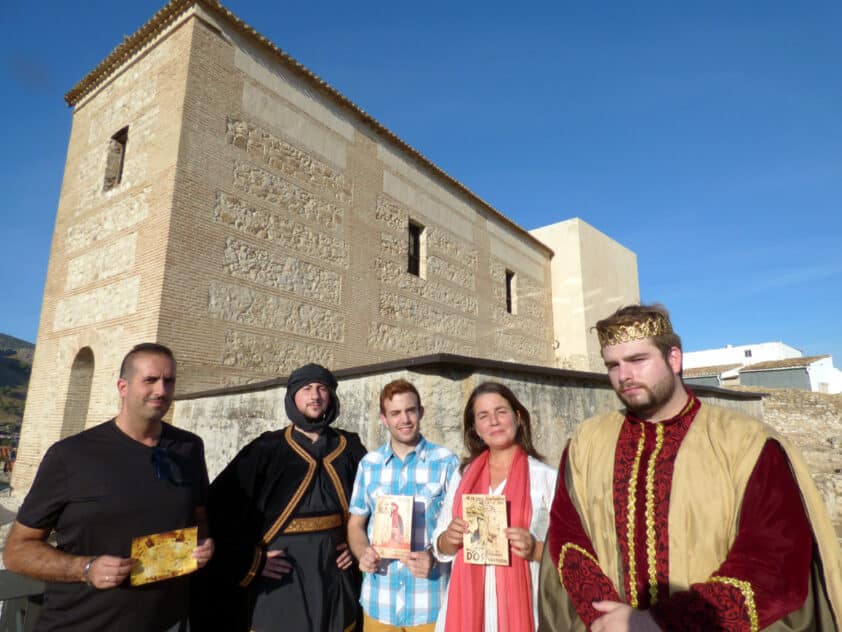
[502,461]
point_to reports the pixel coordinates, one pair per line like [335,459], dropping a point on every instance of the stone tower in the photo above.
[220,198]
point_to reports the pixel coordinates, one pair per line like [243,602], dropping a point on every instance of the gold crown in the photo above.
[656,325]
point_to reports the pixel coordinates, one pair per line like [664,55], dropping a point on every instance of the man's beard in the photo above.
[657,395]
[312,416]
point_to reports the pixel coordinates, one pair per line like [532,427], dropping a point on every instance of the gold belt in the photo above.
[311,525]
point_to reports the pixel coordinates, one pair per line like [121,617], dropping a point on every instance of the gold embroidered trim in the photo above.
[650,514]
[748,596]
[563,552]
[296,498]
[690,402]
[255,562]
[334,475]
[631,506]
[313,524]
[655,325]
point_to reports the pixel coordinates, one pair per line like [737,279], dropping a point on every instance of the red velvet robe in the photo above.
[764,577]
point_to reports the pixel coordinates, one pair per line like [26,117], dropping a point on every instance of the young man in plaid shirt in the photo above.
[406,593]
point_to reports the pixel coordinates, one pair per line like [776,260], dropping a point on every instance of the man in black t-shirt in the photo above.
[131,476]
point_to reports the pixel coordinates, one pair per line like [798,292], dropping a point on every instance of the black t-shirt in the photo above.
[99,489]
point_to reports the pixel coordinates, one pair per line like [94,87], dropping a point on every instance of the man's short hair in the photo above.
[127,366]
[396,387]
[639,320]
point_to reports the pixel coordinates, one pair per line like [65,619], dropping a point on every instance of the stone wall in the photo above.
[557,400]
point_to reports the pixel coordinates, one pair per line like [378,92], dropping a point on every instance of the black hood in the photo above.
[300,378]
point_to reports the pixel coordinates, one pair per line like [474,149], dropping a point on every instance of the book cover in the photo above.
[485,542]
[391,533]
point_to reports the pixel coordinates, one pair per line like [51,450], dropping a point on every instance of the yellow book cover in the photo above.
[485,542]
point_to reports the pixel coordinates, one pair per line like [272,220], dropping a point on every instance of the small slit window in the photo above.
[115,159]
[511,292]
[748,353]
[416,248]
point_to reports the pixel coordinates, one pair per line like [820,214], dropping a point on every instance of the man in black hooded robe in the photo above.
[278,513]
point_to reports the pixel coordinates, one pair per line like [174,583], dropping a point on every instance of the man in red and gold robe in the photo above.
[679,515]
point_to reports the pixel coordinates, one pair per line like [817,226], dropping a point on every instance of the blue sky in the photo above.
[706,138]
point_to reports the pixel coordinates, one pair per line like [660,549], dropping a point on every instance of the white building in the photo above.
[766,364]
[740,354]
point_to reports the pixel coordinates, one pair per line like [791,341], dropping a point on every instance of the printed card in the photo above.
[391,533]
[163,555]
[485,542]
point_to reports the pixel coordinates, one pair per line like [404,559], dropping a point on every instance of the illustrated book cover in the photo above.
[391,533]
[485,542]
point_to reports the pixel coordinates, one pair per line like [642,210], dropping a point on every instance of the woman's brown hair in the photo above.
[474,445]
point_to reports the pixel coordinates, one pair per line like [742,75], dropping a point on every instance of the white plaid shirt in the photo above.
[393,595]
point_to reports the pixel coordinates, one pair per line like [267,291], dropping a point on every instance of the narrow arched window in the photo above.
[115,159]
[511,296]
[416,250]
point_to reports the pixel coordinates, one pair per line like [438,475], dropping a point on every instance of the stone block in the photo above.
[101,263]
[281,272]
[98,305]
[123,214]
[286,196]
[282,157]
[271,355]
[405,342]
[394,306]
[274,227]
[246,306]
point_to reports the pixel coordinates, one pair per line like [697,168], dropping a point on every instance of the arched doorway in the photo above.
[78,393]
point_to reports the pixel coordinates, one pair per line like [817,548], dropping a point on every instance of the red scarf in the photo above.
[466,595]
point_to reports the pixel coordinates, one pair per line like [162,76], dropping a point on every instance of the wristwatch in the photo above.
[86,571]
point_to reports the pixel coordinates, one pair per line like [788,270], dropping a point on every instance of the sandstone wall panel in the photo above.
[405,342]
[244,261]
[101,263]
[523,347]
[274,227]
[394,306]
[257,66]
[285,195]
[289,160]
[429,208]
[266,107]
[98,305]
[396,217]
[123,214]
[396,249]
[243,305]
[272,355]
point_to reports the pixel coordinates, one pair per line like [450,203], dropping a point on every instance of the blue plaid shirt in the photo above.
[393,595]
